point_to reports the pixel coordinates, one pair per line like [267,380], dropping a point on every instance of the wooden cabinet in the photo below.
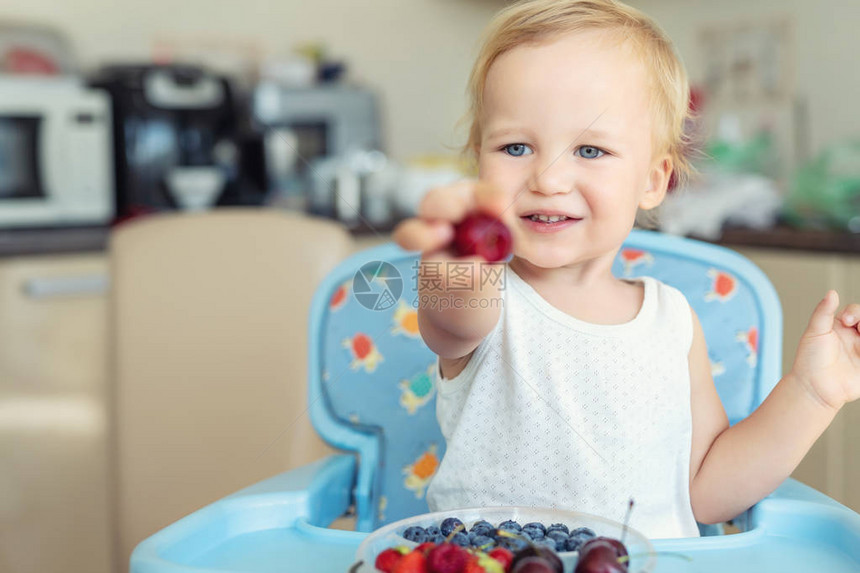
[54,495]
[801,279]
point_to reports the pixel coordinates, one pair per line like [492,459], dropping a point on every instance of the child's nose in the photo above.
[553,177]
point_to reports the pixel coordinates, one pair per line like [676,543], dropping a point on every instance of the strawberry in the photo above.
[386,560]
[447,558]
[473,567]
[414,562]
[425,547]
[503,556]
[482,235]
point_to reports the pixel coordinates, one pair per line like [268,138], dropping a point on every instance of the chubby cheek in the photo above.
[603,205]
[506,178]
[612,221]
[493,168]
[485,166]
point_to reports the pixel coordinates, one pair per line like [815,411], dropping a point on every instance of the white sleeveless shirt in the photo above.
[552,411]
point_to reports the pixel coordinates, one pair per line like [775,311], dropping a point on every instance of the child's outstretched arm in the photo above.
[731,469]
[453,315]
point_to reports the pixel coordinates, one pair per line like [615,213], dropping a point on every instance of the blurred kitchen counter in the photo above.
[71,240]
[54,241]
[783,237]
[75,240]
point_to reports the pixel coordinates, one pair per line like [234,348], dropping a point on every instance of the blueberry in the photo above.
[545,542]
[536,525]
[512,543]
[573,543]
[433,531]
[437,539]
[482,541]
[483,528]
[525,533]
[583,532]
[559,537]
[415,533]
[460,539]
[558,527]
[577,537]
[510,525]
[533,532]
[449,524]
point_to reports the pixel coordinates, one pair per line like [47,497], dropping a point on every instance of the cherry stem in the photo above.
[454,532]
[626,520]
[512,535]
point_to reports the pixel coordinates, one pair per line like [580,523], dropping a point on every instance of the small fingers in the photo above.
[850,316]
[821,321]
[491,199]
[419,235]
[450,202]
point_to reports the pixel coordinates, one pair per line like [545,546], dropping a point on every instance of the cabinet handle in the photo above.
[87,285]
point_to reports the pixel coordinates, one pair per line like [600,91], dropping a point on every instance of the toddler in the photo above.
[564,386]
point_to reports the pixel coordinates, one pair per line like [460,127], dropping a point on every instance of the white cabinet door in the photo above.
[54,498]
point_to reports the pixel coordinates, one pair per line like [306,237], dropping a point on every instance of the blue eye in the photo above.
[589,152]
[517,149]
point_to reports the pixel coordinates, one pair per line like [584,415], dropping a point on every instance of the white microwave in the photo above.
[56,155]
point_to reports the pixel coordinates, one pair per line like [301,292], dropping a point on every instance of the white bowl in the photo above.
[195,188]
[642,558]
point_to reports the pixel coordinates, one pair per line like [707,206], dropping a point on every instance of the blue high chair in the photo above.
[372,395]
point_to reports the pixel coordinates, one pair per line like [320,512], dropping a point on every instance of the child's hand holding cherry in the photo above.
[827,363]
[460,221]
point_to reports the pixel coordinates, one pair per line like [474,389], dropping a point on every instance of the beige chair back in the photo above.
[209,322]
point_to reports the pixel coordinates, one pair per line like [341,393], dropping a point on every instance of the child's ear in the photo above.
[658,182]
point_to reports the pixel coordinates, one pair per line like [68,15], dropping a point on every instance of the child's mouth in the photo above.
[548,223]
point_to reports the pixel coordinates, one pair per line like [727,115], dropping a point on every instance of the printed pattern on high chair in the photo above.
[376,373]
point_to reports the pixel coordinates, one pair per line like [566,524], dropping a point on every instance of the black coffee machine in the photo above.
[179,139]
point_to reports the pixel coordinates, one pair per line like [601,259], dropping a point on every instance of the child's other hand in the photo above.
[827,363]
[442,208]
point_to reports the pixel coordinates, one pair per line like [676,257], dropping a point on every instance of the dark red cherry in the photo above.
[533,565]
[600,555]
[600,560]
[545,553]
[482,235]
[619,548]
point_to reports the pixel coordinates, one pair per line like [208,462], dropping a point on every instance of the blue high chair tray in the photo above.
[269,529]
[371,394]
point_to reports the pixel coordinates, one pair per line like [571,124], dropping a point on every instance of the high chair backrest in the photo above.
[371,376]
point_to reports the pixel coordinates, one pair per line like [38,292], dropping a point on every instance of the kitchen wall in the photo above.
[825,51]
[416,53]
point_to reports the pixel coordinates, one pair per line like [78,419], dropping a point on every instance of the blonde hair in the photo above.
[536,21]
